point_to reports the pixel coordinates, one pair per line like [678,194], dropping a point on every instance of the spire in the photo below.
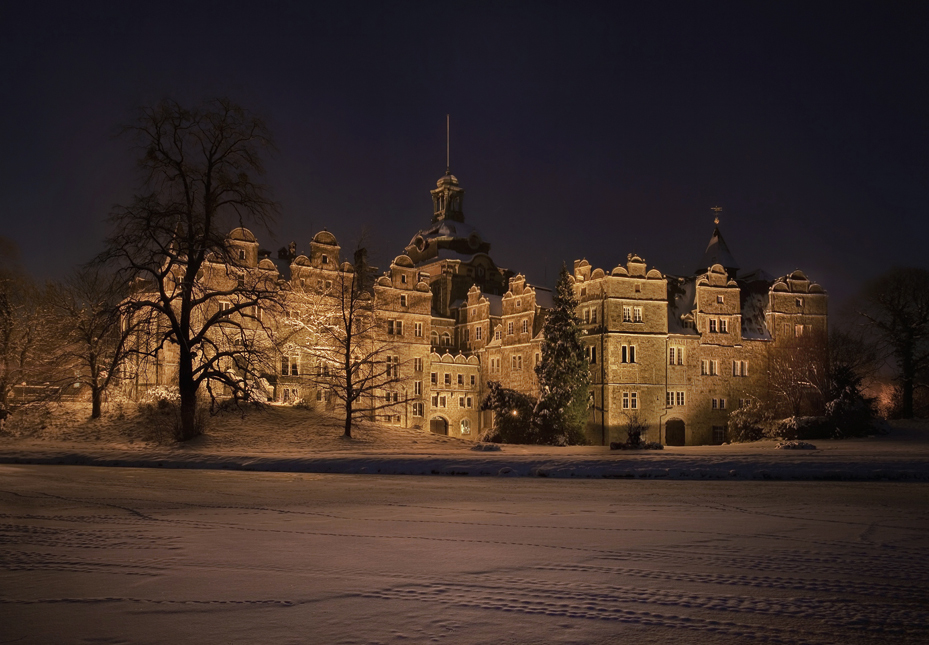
[717,251]
[448,196]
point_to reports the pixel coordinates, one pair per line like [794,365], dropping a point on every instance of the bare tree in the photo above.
[27,340]
[896,306]
[798,372]
[95,336]
[200,172]
[342,332]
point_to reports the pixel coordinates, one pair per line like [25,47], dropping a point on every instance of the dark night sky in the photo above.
[578,129]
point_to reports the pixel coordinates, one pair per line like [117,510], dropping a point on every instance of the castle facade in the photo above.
[675,353]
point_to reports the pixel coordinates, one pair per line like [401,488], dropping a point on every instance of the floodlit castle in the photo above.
[678,353]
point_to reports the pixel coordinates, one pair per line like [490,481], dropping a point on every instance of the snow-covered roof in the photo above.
[682,293]
[717,252]
[544,297]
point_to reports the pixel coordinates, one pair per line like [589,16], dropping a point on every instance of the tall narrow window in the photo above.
[525,326]
[712,325]
[723,325]
[637,314]
[627,314]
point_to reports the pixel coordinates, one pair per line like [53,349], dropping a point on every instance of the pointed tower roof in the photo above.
[717,252]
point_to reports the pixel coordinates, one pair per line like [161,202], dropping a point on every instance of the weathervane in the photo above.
[717,210]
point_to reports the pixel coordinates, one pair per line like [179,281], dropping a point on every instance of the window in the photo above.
[434,338]
[461,401]
[497,334]
[240,281]
[630,400]
[418,409]
[628,354]
[418,329]
[319,395]
[466,426]
[723,325]
[719,404]
[461,379]
[799,302]
[712,325]
[798,330]
[472,380]
[469,402]
[592,354]
[328,284]
[434,378]
[448,379]
[391,397]
[509,329]
[671,352]
[637,314]
[638,288]
[740,368]
[325,259]
[675,356]
[417,388]
[593,315]
[393,367]
[435,400]
[525,326]
[714,368]
[241,254]
[443,401]
[720,299]
[583,291]
[709,368]
[289,366]
[417,365]
[403,279]
[519,362]
[627,314]
[494,365]
[403,300]
[719,434]
[519,303]
[478,333]
[538,358]
[674,398]
[467,335]
[225,306]
[587,315]
[395,327]
[446,339]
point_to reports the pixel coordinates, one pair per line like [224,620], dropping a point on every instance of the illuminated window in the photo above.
[418,409]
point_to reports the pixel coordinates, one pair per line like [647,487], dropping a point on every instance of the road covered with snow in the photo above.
[185,555]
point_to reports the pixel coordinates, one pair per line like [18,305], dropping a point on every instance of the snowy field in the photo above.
[119,555]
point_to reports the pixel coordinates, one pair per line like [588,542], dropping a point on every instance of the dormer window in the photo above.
[242,254]
[325,259]
[403,279]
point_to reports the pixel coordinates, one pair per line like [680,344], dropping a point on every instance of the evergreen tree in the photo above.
[561,410]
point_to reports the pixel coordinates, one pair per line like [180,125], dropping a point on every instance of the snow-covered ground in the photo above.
[280,439]
[120,555]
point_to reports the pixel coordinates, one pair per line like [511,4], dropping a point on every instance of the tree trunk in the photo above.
[187,388]
[907,378]
[96,396]
[348,420]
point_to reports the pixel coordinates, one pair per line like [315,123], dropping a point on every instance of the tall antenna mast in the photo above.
[448,137]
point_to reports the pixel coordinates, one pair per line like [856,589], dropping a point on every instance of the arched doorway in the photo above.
[438,425]
[675,433]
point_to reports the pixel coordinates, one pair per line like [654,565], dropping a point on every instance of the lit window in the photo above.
[466,426]
[418,409]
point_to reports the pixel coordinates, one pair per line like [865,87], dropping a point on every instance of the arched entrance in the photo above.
[438,425]
[675,433]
